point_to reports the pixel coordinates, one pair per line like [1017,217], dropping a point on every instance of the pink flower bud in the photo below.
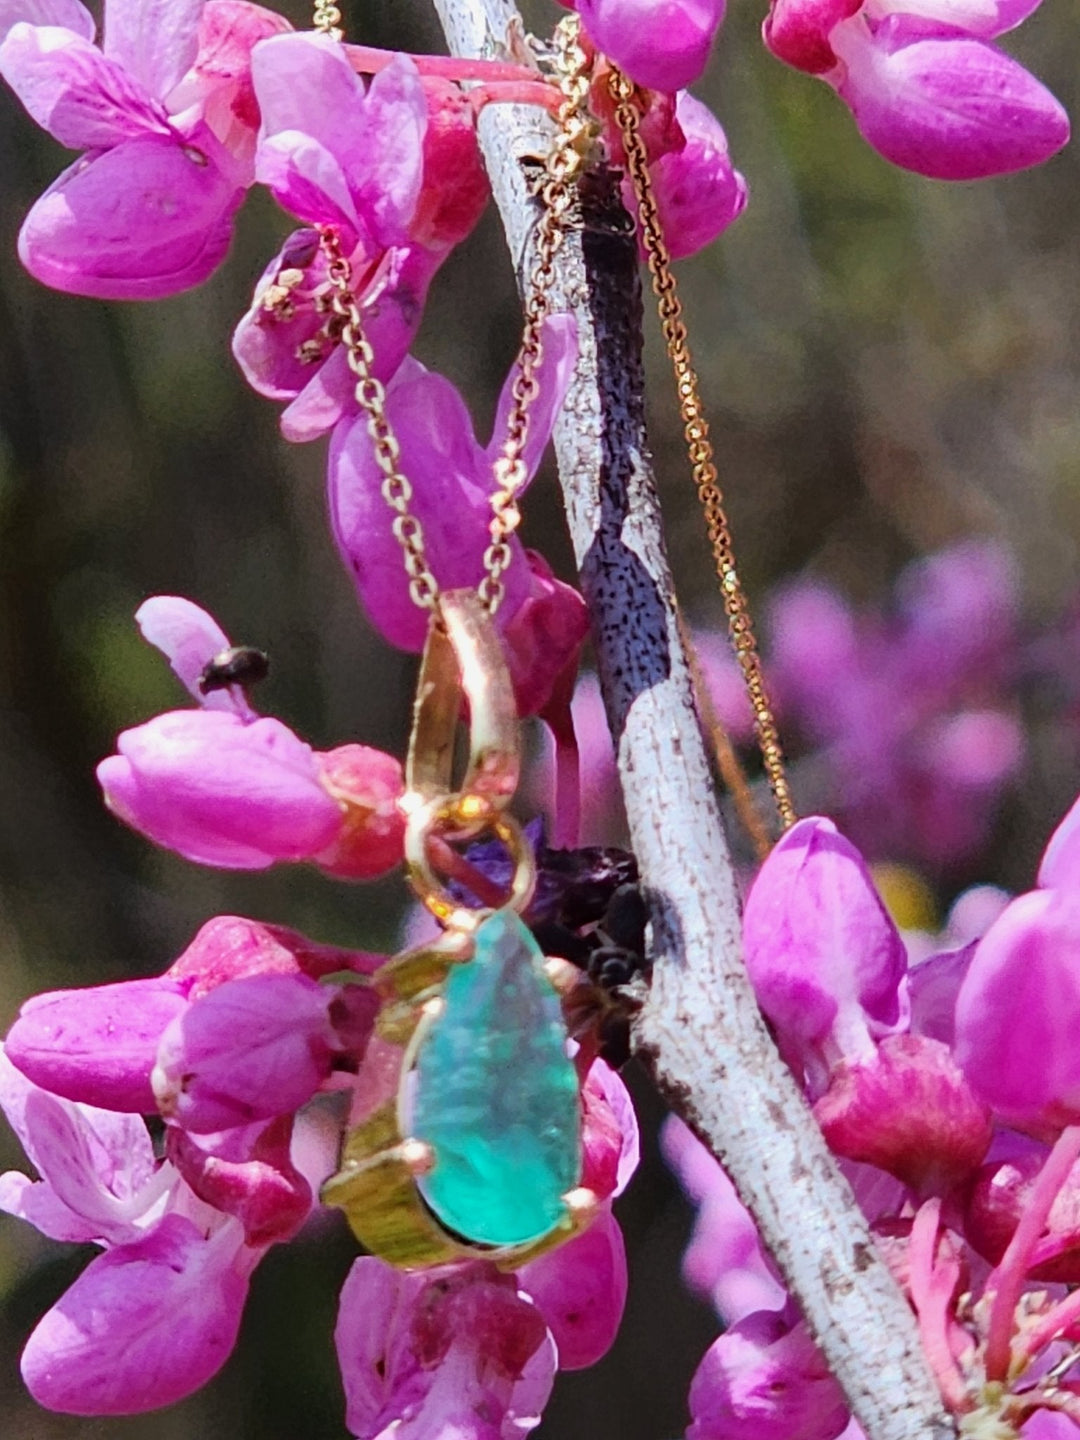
[944,105]
[825,959]
[661,44]
[230,947]
[219,791]
[907,1109]
[1018,1014]
[247,1173]
[97,1045]
[368,784]
[249,1050]
[698,190]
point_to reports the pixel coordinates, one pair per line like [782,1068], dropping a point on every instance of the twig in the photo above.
[700,1032]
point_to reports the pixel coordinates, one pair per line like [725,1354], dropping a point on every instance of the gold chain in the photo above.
[327,19]
[557,193]
[696,430]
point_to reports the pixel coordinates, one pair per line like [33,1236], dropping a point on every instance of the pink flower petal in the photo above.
[154,40]
[67,14]
[560,353]
[149,218]
[188,638]
[247,1173]
[764,1381]
[951,108]
[1060,867]
[825,959]
[333,153]
[221,792]
[143,1326]
[979,19]
[1018,1012]
[369,783]
[580,1289]
[249,1050]
[797,31]
[698,190]
[661,44]
[97,1045]
[119,1146]
[230,947]
[454,1352]
[81,98]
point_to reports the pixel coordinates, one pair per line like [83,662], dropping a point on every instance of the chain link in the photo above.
[568,156]
[699,447]
[557,194]
[327,19]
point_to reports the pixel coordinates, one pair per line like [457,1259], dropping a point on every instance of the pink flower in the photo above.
[400,188]
[825,959]
[661,44]
[219,791]
[1018,1010]
[925,88]
[447,1352]
[155,1316]
[224,787]
[148,210]
[697,189]
[765,1378]
[144,1325]
[451,474]
[921,737]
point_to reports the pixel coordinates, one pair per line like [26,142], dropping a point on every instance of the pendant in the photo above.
[468,1143]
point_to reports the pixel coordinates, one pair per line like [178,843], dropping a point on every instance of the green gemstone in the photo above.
[496,1097]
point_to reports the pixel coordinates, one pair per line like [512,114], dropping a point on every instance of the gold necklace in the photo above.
[468,1140]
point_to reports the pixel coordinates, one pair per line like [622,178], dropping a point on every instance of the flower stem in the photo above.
[1007,1279]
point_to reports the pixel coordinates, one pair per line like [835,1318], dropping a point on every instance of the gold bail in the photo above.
[463,663]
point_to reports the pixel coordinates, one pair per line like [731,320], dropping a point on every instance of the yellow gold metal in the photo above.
[443,817]
[696,430]
[463,659]
[463,664]
[327,19]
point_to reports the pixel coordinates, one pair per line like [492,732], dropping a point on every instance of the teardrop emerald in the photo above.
[496,1096]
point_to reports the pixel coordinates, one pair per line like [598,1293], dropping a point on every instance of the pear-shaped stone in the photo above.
[496,1096]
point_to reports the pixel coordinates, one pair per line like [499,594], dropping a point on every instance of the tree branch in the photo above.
[700,1033]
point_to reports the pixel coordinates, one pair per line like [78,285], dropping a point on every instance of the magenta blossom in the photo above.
[926,89]
[148,210]
[543,620]
[288,344]
[364,178]
[825,959]
[224,787]
[698,190]
[661,44]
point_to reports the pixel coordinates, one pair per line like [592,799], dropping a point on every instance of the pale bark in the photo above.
[700,1032]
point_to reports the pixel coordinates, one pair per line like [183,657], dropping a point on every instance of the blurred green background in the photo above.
[892,364]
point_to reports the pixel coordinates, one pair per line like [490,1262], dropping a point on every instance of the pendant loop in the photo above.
[463,664]
[463,660]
